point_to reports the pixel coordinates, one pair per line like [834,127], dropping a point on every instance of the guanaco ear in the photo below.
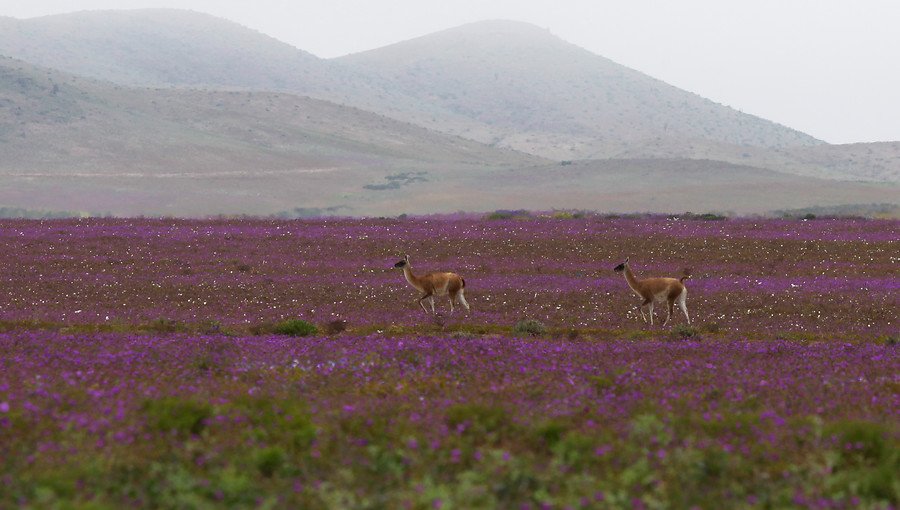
[406,258]
[626,260]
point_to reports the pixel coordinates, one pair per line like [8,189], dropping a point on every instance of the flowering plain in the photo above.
[140,365]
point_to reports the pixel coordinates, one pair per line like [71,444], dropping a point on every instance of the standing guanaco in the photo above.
[438,283]
[670,290]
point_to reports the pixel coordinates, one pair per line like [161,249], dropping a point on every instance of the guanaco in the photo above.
[670,290]
[438,283]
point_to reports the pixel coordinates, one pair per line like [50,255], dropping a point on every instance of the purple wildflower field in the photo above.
[146,363]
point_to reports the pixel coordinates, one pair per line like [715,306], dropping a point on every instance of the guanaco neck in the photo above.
[633,282]
[411,278]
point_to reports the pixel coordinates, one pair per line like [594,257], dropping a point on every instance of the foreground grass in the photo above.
[173,420]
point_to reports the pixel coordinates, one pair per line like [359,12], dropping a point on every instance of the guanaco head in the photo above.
[621,267]
[403,262]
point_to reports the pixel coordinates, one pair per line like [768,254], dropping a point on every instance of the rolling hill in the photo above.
[505,83]
[163,47]
[57,122]
[533,91]
[88,140]
[181,48]
[76,144]
[876,162]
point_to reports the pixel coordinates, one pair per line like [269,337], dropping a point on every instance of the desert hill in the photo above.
[530,90]
[877,162]
[505,83]
[82,138]
[59,123]
[162,47]
[77,144]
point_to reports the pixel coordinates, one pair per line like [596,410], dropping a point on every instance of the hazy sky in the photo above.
[830,68]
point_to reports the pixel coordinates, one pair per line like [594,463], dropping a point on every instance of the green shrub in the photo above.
[270,460]
[373,428]
[703,216]
[575,449]
[480,419]
[550,432]
[173,413]
[530,327]
[236,486]
[889,339]
[285,421]
[296,327]
[685,331]
[463,335]
[508,215]
[870,468]
[164,326]
[698,467]
[602,382]
[872,439]
[649,428]
[567,215]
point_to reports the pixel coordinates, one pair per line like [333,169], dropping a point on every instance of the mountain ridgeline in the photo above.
[541,94]
[162,47]
[177,112]
[500,82]
[90,125]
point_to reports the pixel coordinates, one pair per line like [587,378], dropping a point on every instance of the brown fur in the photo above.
[436,284]
[653,289]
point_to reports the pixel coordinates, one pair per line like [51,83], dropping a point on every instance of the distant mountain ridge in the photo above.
[501,82]
[54,122]
[162,47]
[77,144]
[541,94]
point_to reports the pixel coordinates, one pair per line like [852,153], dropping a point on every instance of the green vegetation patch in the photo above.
[184,416]
[296,327]
[530,327]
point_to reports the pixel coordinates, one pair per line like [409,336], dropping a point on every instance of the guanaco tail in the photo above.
[432,284]
[670,290]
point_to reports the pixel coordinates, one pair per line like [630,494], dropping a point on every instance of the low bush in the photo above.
[508,215]
[270,460]
[567,215]
[550,432]
[295,327]
[162,325]
[479,420]
[185,416]
[530,327]
[889,339]
[685,331]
